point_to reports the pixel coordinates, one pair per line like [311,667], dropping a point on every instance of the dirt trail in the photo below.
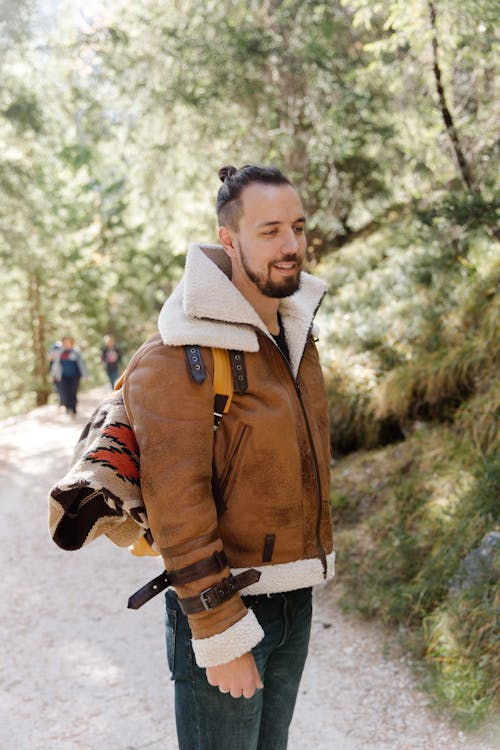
[81,672]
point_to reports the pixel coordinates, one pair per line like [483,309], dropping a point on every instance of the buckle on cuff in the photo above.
[205,599]
[218,594]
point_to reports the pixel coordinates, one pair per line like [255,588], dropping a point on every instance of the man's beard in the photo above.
[285,287]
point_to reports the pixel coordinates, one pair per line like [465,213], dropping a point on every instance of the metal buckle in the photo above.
[204,599]
[216,595]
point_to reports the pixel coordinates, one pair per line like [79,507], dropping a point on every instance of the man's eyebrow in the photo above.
[300,220]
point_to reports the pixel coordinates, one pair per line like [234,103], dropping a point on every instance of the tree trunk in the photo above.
[462,163]
[40,367]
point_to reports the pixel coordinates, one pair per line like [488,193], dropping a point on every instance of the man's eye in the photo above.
[299,229]
[270,233]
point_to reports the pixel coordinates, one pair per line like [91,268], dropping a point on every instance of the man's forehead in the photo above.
[263,203]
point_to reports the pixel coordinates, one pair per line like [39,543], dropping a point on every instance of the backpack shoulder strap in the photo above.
[223,384]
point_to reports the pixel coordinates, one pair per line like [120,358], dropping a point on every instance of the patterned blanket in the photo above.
[101,492]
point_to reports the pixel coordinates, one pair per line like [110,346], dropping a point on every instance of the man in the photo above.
[111,359]
[67,369]
[265,521]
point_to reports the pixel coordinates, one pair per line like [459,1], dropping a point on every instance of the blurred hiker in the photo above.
[241,516]
[56,346]
[67,369]
[111,359]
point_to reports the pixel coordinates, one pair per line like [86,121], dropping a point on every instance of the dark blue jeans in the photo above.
[112,373]
[207,719]
[68,389]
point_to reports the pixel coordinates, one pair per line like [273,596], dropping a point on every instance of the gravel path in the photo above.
[81,672]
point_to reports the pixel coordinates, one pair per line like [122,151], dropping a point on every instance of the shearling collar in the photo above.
[206,309]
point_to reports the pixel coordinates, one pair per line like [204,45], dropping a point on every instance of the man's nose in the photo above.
[291,242]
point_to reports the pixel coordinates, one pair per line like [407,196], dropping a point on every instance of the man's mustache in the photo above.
[290,258]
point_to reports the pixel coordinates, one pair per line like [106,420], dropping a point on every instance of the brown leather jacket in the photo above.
[271,453]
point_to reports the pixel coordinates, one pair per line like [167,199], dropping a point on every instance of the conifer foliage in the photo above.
[114,121]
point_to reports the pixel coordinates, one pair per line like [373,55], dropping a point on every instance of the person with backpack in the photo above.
[241,516]
[68,367]
[111,359]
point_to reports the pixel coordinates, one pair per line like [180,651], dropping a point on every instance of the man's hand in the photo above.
[239,677]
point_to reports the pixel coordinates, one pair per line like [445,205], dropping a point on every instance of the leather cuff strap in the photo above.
[213,564]
[209,565]
[220,593]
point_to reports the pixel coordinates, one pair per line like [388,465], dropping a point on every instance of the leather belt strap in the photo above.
[150,589]
[213,564]
[220,593]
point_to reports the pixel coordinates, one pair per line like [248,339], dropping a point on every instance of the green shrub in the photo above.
[407,550]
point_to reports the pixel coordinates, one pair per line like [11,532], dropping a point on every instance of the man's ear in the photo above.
[227,238]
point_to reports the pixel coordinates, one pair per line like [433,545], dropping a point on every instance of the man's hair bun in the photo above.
[225,172]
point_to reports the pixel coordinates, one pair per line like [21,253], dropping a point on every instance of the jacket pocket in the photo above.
[227,477]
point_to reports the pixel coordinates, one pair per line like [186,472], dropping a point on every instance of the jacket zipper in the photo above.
[319,495]
[321,551]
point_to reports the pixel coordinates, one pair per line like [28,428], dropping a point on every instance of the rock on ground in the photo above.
[81,672]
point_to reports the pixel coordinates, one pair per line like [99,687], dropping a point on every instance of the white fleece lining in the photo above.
[207,309]
[231,643]
[289,576]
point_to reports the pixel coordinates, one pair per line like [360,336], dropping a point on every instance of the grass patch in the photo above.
[408,518]
[462,646]
[438,380]
[479,420]
[354,423]
[433,386]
